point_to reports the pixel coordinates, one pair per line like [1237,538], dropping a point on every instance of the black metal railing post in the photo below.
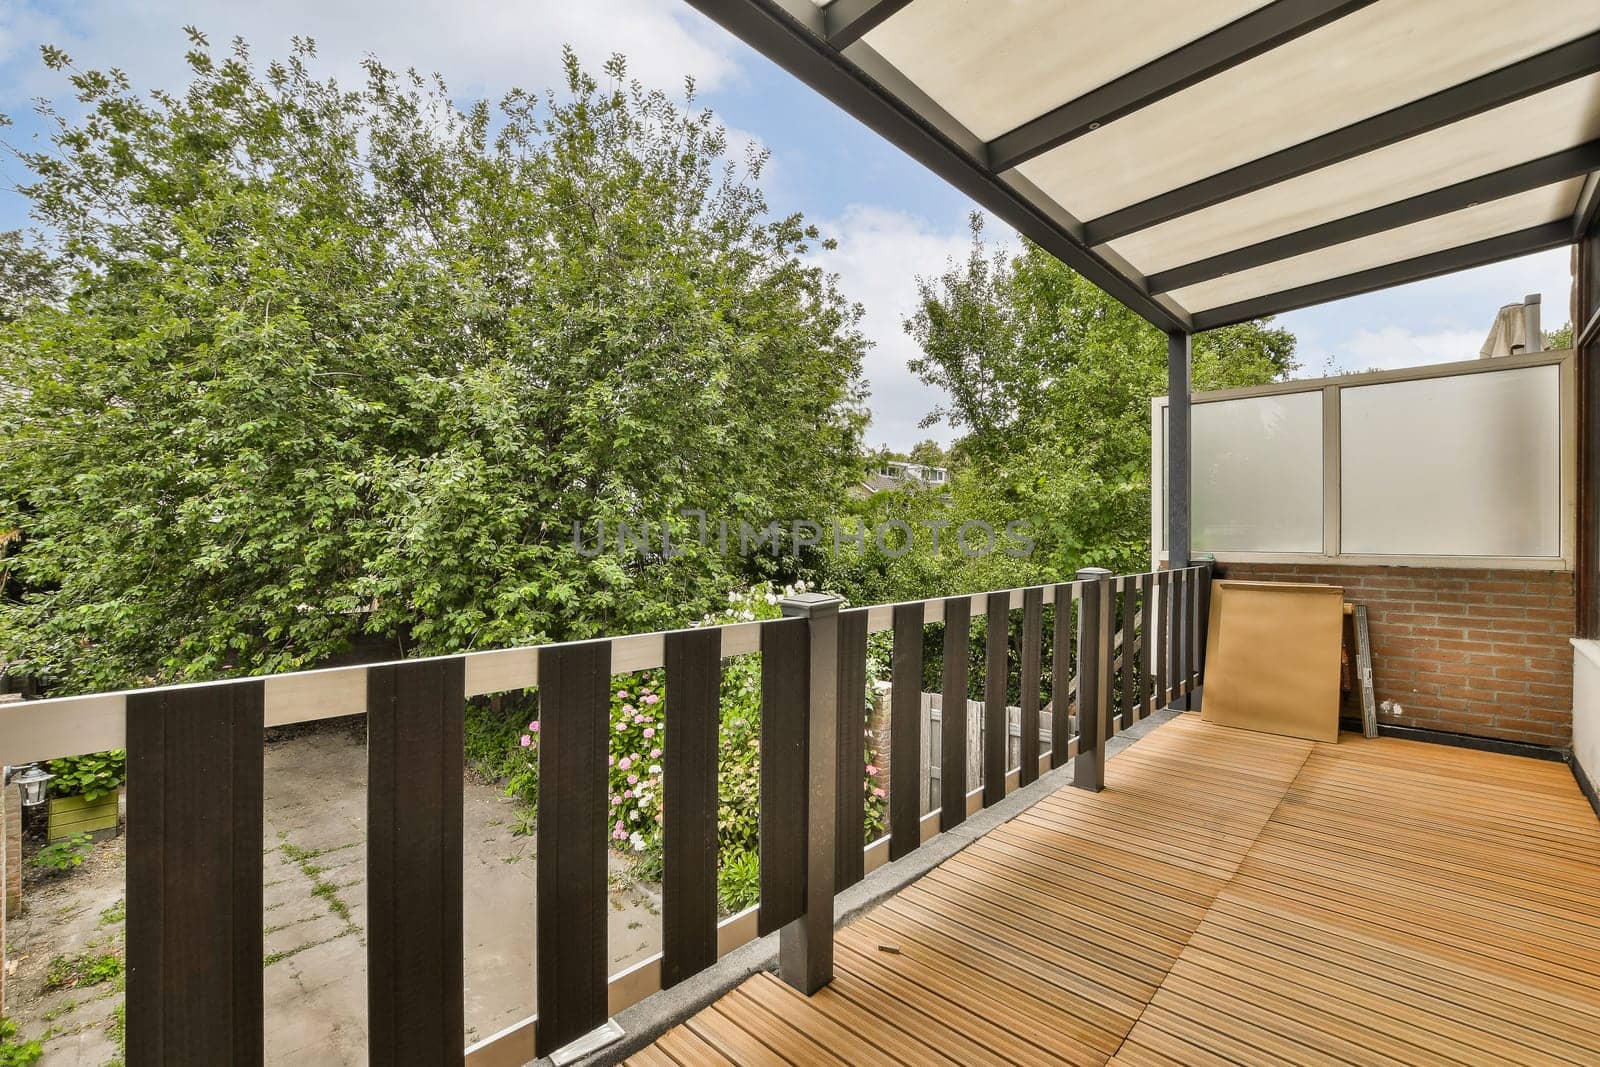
[1094,678]
[1203,621]
[805,945]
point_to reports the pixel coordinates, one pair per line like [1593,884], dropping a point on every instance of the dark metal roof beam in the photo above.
[1243,39]
[1463,257]
[1557,66]
[785,38]
[1534,174]
[847,21]
[1583,219]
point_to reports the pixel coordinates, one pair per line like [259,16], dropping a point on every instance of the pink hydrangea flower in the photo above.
[612,760]
[625,764]
[619,835]
[526,741]
[622,694]
[618,826]
[615,800]
[628,793]
[655,753]
[633,779]
[534,726]
[649,731]
[651,698]
[879,793]
[622,727]
[628,709]
[872,769]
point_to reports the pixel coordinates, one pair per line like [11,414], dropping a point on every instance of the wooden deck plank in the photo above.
[688,1049]
[1229,898]
[841,1024]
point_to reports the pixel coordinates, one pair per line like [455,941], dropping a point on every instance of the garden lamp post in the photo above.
[32,780]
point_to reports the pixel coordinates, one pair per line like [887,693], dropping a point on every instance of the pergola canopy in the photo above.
[1210,162]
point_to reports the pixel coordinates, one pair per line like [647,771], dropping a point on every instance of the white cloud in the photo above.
[880,255]
[480,46]
[1389,347]
[1435,321]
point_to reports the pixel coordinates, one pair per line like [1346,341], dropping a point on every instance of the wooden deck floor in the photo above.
[1230,897]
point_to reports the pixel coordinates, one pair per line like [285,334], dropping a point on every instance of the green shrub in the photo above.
[15,1053]
[504,744]
[64,855]
[93,776]
[82,969]
[739,881]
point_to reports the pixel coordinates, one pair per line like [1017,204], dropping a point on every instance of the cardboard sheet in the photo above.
[1272,658]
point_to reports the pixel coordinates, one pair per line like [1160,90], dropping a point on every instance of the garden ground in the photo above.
[315,919]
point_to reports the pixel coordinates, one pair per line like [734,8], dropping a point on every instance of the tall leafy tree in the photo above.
[1049,382]
[317,361]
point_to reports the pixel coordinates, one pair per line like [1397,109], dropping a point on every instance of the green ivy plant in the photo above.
[99,774]
[63,855]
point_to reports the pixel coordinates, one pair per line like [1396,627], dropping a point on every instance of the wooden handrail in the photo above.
[811,809]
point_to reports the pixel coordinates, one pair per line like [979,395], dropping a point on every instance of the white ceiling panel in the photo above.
[1497,217]
[995,64]
[1378,58]
[1536,126]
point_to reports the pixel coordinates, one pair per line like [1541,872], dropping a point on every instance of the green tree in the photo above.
[1049,381]
[330,361]
[929,453]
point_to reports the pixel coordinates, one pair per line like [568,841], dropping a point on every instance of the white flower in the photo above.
[655,768]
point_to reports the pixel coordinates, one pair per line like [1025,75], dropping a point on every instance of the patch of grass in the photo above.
[82,969]
[15,1052]
[327,891]
[117,913]
[330,896]
[279,957]
[118,1028]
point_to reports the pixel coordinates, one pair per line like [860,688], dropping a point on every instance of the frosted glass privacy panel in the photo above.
[1462,466]
[1257,480]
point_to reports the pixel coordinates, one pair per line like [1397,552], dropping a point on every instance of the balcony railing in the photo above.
[195,798]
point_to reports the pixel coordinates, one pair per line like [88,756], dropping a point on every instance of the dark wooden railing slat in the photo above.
[1180,625]
[996,649]
[1146,641]
[851,813]
[953,713]
[1061,694]
[194,876]
[1203,624]
[693,661]
[905,731]
[1130,658]
[1032,625]
[414,862]
[785,689]
[1163,638]
[574,740]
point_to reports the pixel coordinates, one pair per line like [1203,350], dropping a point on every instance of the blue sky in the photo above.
[892,219]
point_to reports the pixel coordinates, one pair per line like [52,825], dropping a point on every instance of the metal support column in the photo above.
[1178,453]
[1094,678]
[805,945]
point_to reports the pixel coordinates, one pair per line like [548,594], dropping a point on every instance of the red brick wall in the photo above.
[1479,652]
